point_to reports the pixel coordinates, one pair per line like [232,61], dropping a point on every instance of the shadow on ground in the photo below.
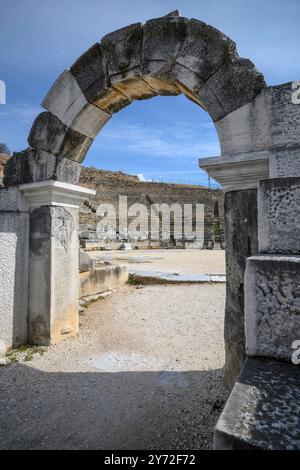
[96,410]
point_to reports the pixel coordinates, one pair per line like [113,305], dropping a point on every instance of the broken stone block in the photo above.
[31,166]
[236,83]
[66,101]
[279,216]
[272,305]
[262,412]
[48,133]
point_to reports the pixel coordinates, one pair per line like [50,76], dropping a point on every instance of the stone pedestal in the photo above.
[239,176]
[53,259]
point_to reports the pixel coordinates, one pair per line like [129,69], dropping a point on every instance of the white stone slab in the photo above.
[14,229]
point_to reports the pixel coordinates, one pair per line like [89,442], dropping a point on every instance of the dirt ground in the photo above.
[179,261]
[143,373]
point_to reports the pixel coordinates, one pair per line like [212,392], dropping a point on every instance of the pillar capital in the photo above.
[52,193]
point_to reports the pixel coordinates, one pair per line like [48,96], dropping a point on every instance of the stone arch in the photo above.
[165,56]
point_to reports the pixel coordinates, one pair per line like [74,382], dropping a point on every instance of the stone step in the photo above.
[263,409]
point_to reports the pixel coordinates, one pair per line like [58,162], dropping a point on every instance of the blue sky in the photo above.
[161,138]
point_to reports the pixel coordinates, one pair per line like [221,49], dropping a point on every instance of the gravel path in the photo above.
[143,373]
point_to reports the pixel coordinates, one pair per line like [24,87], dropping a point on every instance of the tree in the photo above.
[4,148]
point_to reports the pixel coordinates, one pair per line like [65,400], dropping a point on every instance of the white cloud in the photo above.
[23,112]
[184,140]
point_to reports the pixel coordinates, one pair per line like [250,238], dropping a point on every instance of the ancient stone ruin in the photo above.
[110,185]
[259,132]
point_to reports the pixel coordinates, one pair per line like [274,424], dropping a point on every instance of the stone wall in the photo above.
[110,185]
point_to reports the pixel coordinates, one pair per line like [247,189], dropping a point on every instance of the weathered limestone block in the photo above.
[163,39]
[247,129]
[241,242]
[279,216]
[100,280]
[9,199]
[31,165]
[203,52]
[123,49]
[272,305]
[48,133]
[285,162]
[85,262]
[66,101]
[14,230]
[53,282]
[262,412]
[269,122]
[91,75]
[285,116]
[234,84]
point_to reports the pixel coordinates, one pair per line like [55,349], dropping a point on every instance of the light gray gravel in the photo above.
[143,373]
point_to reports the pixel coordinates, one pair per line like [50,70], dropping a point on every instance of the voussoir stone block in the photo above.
[203,52]
[31,166]
[90,72]
[163,38]
[66,101]
[48,133]
[279,216]
[236,83]
[272,305]
[123,49]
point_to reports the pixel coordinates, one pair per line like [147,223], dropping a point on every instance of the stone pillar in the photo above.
[241,242]
[239,177]
[53,259]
